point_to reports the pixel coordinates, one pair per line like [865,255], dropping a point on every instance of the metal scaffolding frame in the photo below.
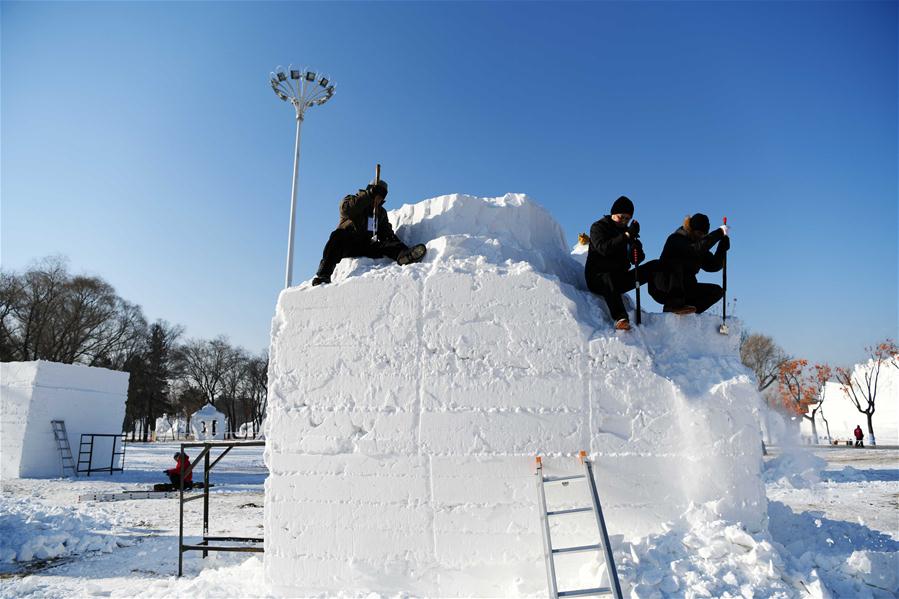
[204,545]
[89,452]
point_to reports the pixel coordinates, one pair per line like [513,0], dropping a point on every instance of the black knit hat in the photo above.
[623,205]
[699,222]
[378,187]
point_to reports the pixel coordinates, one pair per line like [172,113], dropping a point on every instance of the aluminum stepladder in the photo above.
[62,445]
[549,552]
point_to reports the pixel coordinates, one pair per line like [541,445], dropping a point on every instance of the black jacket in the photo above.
[355,210]
[610,249]
[688,256]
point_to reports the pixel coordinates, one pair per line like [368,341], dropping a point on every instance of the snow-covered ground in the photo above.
[834,532]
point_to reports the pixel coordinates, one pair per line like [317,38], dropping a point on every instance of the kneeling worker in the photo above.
[686,251]
[613,243]
[364,232]
[182,468]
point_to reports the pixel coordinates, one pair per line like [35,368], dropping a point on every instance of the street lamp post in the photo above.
[304,89]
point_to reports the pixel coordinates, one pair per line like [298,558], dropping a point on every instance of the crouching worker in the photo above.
[686,252]
[614,240]
[182,464]
[364,232]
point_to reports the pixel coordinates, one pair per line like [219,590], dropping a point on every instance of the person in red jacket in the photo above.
[859,436]
[182,463]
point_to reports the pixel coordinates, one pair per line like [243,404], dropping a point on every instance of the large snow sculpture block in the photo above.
[89,400]
[406,404]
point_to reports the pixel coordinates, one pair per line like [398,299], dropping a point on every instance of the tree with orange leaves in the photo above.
[801,389]
[862,388]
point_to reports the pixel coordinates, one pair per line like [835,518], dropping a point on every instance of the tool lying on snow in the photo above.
[160,491]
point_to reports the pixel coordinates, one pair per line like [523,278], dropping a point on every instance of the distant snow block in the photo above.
[406,404]
[208,424]
[89,400]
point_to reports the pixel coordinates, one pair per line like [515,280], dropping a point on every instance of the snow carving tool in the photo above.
[603,546]
[374,207]
[723,328]
[637,286]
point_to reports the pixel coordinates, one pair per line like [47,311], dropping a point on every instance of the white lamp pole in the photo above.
[303,89]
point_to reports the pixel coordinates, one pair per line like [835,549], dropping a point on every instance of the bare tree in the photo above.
[231,400]
[862,390]
[205,364]
[256,387]
[47,314]
[764,357]
[30,302]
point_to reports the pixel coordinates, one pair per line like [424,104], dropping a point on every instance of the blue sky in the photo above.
[142,141]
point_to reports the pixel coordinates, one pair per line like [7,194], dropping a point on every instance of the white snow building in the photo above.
[406,405]
[208,424]
[842,415]
[170,428]
[89,400]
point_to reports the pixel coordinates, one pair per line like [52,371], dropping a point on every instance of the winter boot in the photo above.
[412,255]
[623,325]
[320,281]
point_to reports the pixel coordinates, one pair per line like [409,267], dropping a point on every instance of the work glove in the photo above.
[633,230]
[724,229]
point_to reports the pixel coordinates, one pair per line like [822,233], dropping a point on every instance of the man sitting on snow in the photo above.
[610,255]
[182,463]
[364,231]
[686,251]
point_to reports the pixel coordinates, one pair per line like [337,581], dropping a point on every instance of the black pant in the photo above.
[176,481]
[345,243]
[673,288]
[610,285]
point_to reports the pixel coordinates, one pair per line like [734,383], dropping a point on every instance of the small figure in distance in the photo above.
[613,240]
[859,436]
[686,252]
[182,463]
[364,231]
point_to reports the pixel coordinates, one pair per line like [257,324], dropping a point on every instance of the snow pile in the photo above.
[795,467]
[850,560]
[240,580]
[89,400]
[407,404]
[30,531]
[802,556]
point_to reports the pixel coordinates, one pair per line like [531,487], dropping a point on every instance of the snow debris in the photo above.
[29,531]
[802,556]
[795,467]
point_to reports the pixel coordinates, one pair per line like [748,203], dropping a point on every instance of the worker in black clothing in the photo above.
[614,239]
[686,252]
[364,231]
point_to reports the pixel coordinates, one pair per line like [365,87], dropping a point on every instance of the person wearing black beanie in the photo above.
[614,239]
[686,252]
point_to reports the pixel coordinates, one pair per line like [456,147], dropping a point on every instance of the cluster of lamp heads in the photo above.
[304,86]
